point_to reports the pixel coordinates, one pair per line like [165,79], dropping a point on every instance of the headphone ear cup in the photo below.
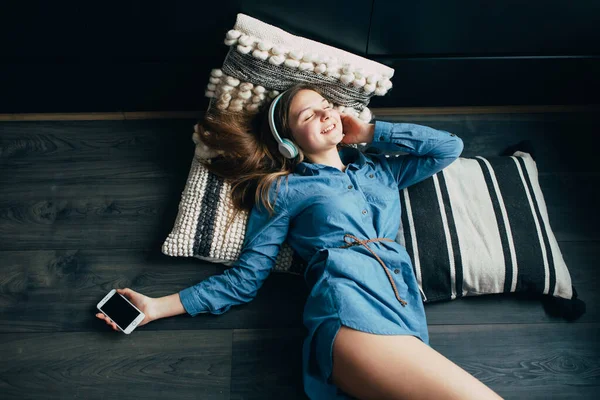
[288,149]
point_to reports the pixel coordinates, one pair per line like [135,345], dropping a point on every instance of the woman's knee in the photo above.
[370,366]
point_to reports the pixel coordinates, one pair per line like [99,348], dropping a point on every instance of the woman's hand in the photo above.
[356,130]
[146,304]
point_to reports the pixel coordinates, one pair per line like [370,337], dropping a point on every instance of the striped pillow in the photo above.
[481,226]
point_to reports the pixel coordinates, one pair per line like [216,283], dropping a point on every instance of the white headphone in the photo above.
[286,147]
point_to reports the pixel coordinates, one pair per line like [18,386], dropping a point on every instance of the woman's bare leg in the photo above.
[380,367]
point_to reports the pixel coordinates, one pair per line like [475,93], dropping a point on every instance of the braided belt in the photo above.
[356,241]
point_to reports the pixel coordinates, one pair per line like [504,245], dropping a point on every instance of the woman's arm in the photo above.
[429,150]
[240,283]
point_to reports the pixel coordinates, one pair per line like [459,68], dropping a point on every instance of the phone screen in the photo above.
[120,311]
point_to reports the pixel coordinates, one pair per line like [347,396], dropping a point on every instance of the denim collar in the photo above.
[350,156]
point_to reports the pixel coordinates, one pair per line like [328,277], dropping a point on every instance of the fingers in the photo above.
[108,321]
[125,292]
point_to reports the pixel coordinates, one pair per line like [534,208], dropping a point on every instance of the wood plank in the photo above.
[564,142]
[50,291]
[94,214]
[379,111]
[100,365]
[117,192]
[57,291]
[267,364]
[533,361]
[139,214]
[515,360]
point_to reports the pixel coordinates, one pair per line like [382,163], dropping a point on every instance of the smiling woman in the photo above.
[358,294]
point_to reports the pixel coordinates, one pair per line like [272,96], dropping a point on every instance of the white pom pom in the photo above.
[225,97]
[214,80]
[263,45]
[246,40]
[351,111]
[237,102]
[236,108]
[222,106]
[217,73]
[309,57]
[347,69]
[226,88]
[369,88]
[230,42]
[359,73]
[347,78]
[292,63]
[365,115]
[319,59]
[252,107]
[333,70]
[277,60]
[274,93]
[261,55]
[258,89]
[341,108]
[246,86]
[209,93]
[212,87]
[278,51]
[232,81]
[334,75]
[256,99]
[244,49]
[245,95]
[296,55]
[359,82]
[372,79]
[321,68]
[384,83]
[233,34]
[203,152]
[306,66]
[380,91]
[331,61]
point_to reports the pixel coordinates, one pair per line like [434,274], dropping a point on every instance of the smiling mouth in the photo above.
[329,129]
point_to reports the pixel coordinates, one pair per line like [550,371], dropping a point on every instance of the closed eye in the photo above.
[325,108]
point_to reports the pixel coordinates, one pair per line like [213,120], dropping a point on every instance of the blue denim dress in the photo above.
[344,224]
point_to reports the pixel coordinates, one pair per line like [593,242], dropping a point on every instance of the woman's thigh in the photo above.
[370,366]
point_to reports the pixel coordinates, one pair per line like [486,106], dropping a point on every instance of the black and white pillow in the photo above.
[481,226]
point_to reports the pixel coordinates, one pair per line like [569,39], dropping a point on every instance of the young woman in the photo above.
[340,210]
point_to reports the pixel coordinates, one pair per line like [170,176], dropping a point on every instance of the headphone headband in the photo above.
[286,147]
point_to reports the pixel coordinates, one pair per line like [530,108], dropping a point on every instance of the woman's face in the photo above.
[315,125]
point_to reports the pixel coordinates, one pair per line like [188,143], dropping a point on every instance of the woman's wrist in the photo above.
[167,306]
[369,133]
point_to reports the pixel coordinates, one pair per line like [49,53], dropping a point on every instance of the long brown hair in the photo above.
[251,161]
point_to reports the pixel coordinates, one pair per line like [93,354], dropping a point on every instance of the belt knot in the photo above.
[354,241]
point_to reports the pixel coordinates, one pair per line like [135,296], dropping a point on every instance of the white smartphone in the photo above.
[116,307]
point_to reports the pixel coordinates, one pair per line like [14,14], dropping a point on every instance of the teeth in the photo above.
[329,128]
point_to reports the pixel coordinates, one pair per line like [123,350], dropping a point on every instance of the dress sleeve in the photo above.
[428,150]
[240,283]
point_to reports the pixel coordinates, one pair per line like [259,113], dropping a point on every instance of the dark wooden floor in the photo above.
[86,205]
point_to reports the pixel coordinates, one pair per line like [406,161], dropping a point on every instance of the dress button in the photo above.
[381,138]
[371,175]
[396,271]
[349,186]
[364,211]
